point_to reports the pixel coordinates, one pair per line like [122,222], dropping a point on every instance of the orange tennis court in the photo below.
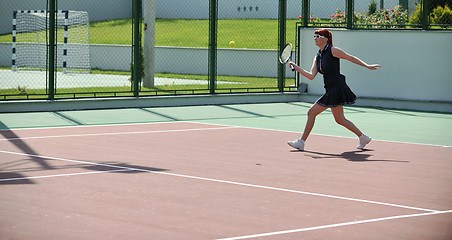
[188,180]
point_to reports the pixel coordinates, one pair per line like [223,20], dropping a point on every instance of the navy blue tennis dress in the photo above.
[336,90]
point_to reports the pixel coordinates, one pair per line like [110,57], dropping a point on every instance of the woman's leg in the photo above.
[315,110]
[338,113]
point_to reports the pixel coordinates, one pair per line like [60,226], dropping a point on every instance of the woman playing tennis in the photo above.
[337,93]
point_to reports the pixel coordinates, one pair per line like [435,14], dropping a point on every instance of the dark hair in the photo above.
[325,33]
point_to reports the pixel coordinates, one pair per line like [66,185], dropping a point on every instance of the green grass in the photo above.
[247,33]
[111,32]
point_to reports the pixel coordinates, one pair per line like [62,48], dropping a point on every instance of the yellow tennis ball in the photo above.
[232,43]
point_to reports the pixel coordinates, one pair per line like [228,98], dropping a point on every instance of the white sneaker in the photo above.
[363,141]
[298,144]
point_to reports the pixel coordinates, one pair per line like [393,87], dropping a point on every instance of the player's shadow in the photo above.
[352,156]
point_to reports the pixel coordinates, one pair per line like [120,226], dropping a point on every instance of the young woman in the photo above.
[337,93]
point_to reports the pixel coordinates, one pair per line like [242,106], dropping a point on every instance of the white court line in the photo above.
[94,125]
[318,134]
[224,125]
[227,182]
[336,225]
[120,133]
[61,175]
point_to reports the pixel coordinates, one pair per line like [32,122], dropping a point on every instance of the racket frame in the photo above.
[289,58]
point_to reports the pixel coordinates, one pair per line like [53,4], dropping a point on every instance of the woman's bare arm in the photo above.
[309,75]
[339,53]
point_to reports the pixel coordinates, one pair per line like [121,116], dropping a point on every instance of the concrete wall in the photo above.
[416,64]
[232,9]
[235,62]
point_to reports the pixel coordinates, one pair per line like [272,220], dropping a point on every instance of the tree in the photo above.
[372,7]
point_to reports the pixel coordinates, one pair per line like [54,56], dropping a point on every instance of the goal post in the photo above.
[30,33]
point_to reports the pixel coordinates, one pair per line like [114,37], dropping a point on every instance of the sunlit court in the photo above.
[196,179]
[225,120]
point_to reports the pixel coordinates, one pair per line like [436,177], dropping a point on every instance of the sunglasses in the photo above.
[318,36]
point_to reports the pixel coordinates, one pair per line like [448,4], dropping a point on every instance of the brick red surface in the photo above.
[196,181]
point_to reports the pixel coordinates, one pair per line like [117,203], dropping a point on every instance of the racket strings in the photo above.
[286,54]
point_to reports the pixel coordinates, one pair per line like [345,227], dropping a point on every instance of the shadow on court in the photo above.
[124,168]
[352,156]
[24,147]
[14,174]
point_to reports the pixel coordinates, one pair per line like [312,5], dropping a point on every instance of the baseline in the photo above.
[61,175]
[211,124]
[317,134]
[336,225]
[118,133]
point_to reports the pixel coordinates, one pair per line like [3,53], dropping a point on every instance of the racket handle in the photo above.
[292,67]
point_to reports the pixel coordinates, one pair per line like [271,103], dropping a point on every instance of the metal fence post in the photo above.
[51,50]
[282,42]
[350,13]
[305,13]
[213,23]
[404,4]
[425,14]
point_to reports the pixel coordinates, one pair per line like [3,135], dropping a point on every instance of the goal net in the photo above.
[30,39]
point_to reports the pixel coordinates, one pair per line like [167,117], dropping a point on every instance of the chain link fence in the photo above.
[180,47]
[14,83]
[379,14]
[246,38]
[246,42]
[92,53]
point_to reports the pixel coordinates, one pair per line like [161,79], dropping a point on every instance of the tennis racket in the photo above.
[286,55]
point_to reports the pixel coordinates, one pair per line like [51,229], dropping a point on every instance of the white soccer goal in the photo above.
[30,38]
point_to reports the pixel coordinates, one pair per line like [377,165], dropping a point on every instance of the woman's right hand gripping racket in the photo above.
[286,55]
